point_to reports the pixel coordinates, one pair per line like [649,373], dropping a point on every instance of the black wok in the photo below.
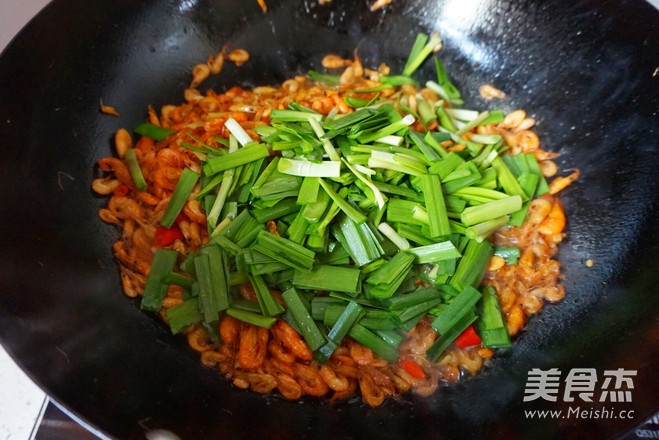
[587,70]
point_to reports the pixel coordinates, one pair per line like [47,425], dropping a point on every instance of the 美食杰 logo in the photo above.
[581,385]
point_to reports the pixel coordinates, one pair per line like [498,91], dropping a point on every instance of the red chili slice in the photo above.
[412,368]
[468,338]
[121,190]
[166,236]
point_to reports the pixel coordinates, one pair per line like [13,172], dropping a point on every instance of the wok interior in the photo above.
[581,70]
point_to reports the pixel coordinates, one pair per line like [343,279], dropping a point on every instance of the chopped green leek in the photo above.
[351,313]
[154,132]
[243,304]
[369,339]
[420,52]
[398,80]
[397,162]
[430,153]
[210,185]
[135,170]
[473,123]
[285,251]
[388,278]
[391,337]
[491,325]
[402,316]
[508,253]
[232,160]
[285,207]
[434,253]
[308,191]
[379,198]
[413,233]
[435,206]
[494,117]
[321,77]
[305,168]
[155,288]
[308,328]
[443,342]
[327,145]
[462,305]
[402,211]
[238,131]
[358,240]
[344,205]
[267,302]
[507,180]
[183,315]
[375,319]
[426,113]
[491,210]
[184,187]
[452,93]
[481,231]
[227,182]
[178,279]
[472,265]
[209,293]
[445,119]
[534,167]
[330,278]
[420,295]
[529,183]
[320,303]
[252,318]
[389,232]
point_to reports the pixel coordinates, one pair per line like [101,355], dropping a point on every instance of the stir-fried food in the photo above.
[337,235]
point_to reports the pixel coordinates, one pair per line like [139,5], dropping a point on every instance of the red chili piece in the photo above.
[122,190]
[412,368]
[166,236]
[468,338]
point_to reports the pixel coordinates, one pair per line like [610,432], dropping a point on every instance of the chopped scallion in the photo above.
[369,339]
[434,253]
[472,265]
[388,278]
[343,204]
[308,191]
[330,278]
[418,56]
[238,131]
[351,313]
[184,187]
[232,160]
[491,325]
[154,132]
[435,206]
[183,315]
[252,318]
[135,170]
[308,328]
[155,288]
[508,253]
[305,168]
[491,210]
[285,251]
[267,302]
[391,234]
